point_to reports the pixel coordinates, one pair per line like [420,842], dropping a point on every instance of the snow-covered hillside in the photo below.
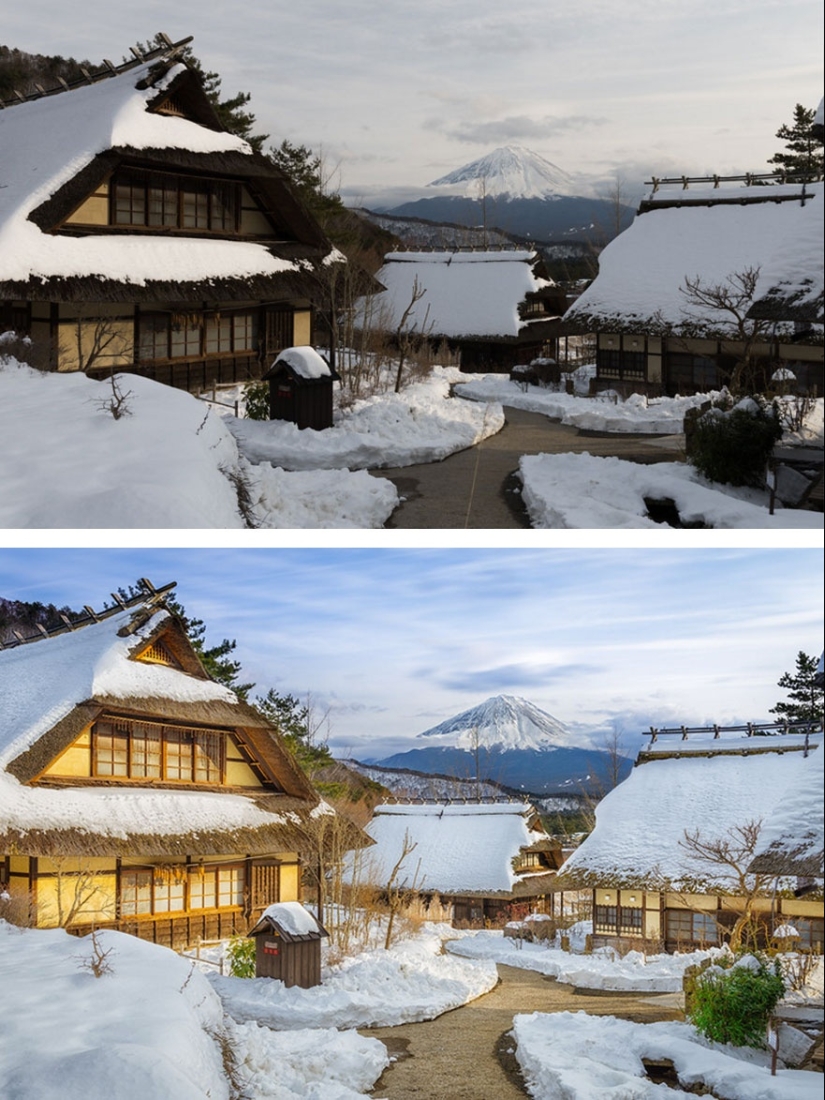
[505,722]
[512,172]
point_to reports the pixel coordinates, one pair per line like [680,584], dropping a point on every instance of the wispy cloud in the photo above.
[391,642]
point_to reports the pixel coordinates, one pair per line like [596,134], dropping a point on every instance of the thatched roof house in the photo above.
[721,786]
[654,337]
[497,308]
[466,862]
[136,233]
[138,793]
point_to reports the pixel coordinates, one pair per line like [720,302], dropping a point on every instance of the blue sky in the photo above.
[398,93]
[391,642]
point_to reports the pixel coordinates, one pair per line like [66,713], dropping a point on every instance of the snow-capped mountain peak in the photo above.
[502,722]
[511,172]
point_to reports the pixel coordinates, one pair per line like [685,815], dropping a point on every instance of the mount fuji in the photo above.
[513,742]
[519,192]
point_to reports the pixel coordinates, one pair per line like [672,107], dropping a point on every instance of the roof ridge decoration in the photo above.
[148,600]
[167,51]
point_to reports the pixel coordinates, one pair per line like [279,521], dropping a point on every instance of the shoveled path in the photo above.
[467,1054]
[477,487]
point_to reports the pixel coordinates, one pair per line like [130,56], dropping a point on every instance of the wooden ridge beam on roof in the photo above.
[167,51]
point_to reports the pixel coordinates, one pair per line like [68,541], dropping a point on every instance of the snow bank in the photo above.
[634,972]
[420,424]
[151,1027]
[658,416]
[170,461]
[410,982]
[576,1057]
[310,1064]
[582,490]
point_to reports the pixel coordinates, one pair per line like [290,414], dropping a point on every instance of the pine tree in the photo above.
[305,171]
[294,722]
[802,157]
[805,704]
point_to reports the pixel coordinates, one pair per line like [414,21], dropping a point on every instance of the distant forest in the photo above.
[21,71]
[26,617]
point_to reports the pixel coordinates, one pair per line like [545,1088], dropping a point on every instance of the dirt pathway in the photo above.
[476,488]
[467,1054]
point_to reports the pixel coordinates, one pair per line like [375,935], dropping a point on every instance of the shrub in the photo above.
[734,447]
[241,955]
[733,1003]
[256,396]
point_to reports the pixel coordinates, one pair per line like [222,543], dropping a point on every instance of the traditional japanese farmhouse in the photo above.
[496,309]
[671,859]
[137,234]
[138,794]
[758,248]
[468,863]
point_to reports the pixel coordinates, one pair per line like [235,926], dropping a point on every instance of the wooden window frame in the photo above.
[242,328]
[158,887]
[204,752]
[202,205]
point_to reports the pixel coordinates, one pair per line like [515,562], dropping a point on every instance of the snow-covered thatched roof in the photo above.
[459,849]
[464,294]
[710,234]
[55,687]
[715,789]
[792,840]
[57,149]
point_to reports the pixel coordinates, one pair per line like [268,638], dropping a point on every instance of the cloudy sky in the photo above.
[397,93]
[391,642]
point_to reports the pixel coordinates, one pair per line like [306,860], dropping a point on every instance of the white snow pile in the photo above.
[420,424]
[577,1056]
[583,490]
[604,413]
[411,981]
[168,461]
[604,969]
[150,1026]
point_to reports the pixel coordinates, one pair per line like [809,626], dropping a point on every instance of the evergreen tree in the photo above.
[803,153]
[305,171]
[805,702]
[294,722]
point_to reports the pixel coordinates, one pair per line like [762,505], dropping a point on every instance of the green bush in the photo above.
[256,396]
[241,955]
[734,1005]
[733,447]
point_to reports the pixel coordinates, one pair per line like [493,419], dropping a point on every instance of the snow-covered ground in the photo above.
[574,1056]
[173,461]
[411,981]
[603,970]
[154,1025]
[420,424]
[150,1028]
[657,416]
[588,491]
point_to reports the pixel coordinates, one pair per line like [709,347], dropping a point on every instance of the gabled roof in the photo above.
[466,294]
[711,233]
[715,787]
[58,148]
[52,687]
[459,849]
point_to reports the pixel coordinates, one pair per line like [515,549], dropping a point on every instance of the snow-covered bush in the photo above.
[733,1000]
[733,446]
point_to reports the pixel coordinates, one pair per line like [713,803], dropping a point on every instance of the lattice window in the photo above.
[160,654]
[150,750]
